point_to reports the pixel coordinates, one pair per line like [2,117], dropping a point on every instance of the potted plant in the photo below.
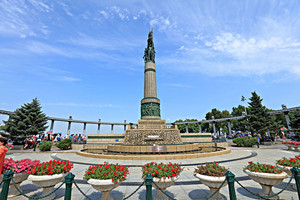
[64,144]
[291,144]
[20,169]
[286,164]
[212,175]
[164,175]
[106,177]
[48,174]
[266,175]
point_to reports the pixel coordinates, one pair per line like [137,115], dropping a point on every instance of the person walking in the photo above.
[3,150]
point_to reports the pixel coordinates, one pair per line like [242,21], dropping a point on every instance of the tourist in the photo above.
[3,150]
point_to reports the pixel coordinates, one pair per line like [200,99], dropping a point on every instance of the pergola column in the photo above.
[69,126]
[52,125]
[200,128]
[98,130]
[112,129]
[186,128]
[84,128]
[214,127]
[124,126]
[229,127]
[287,117]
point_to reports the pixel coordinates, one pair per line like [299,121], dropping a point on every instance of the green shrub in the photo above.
[250,141]
[45,146]
[239,141]
[64,144]
[245,141]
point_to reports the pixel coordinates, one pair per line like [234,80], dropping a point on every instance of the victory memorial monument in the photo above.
[151,128]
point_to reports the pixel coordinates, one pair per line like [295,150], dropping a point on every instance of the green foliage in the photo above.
[245,141]
[45,146]
[64,144]
[259,120]
[26,121]
[239,125]
[239,141]
[218,115]
[193,128]
[211,169]
[295,122]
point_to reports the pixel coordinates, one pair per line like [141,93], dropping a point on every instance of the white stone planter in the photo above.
[213,183]
[287,170]
[163,184]
[47,182]
[289,146]
[18,179]
[267,181]
[104,186]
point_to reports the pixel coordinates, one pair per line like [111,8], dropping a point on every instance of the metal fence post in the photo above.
[230,180]
[296,174]
[69,180]
[6,180]
[148,183]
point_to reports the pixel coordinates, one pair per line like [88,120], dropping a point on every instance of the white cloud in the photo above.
[70,79]
[66,8]
[162,23]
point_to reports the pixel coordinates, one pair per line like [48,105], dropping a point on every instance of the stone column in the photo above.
[84,128]
[69,125]
[229,127]
[52,125]
[124,126]
[98,130]
[186,128]
[200,128]
[214,127]
[112,129]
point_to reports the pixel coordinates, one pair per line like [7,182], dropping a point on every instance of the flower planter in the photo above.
[47,182]
[163,184]
[267,181]
[288,146]
[104,186]
[18,179]
[213,183]
[287,170]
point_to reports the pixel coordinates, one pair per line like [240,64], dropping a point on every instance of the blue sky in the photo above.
[84,58]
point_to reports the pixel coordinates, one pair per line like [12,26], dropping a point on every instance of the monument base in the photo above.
[152,132]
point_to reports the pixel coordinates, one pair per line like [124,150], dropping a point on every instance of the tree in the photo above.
[295,122]
[193,128]
[259,120]
[218,115]
[239,125]
[26,121]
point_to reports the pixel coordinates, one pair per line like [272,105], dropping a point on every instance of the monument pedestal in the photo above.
[152,132]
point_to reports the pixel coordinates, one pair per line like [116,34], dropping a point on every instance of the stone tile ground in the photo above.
[186,187]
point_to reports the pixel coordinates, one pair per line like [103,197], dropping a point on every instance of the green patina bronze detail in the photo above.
[150,109]
[149,55]
[151,98]
[153,70]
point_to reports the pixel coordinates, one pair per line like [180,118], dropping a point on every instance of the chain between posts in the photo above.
[81,191]
[23,194]
[265,197]
[163,191]
[134,191]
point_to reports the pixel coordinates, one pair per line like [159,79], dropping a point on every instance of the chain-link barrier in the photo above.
[81,191]
[134,191]
[29,197]
[171,198]
[265,197]
[216,190]
[1,183]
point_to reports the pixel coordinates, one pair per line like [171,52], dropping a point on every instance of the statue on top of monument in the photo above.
[149,54]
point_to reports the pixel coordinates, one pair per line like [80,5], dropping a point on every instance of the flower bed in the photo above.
[291,143]
[106,171]
[290,162]
[161,170]
[19,166]
[262,168]
[211,169]
[51,167]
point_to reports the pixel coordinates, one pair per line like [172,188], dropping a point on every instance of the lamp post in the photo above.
[243,99]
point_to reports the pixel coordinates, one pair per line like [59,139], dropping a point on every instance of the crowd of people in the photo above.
[29,142]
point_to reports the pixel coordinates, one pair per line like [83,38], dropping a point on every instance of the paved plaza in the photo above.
[186,187]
